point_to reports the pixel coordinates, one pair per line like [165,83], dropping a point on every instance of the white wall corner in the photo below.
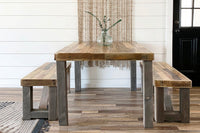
[169,29]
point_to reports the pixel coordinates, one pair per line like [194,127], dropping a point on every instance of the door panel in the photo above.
[186,54]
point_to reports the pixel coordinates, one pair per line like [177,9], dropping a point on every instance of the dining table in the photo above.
[92,51]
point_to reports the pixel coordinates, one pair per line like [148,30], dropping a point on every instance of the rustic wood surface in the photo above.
[62,96]
[166,76]
[27,102]
[159,104]
[148,94]
[133,74]
[185,104]
[77,76]
[52,109]
[42,76]
[93,51]
[167,100]
[44,98]
[112,110]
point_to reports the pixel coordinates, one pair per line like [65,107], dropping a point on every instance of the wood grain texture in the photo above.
[52,110]
[148,94]
[172,116]
[159,104]
[167,101]
[62,98]
[68,78]
[38,114]
[166,76]
[133,76]
[27,102]
[45,75]
[44,98]
[77,76]
[93,51]
[142,83]
[185,104]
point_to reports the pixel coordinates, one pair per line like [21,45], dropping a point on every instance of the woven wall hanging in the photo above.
[89,30]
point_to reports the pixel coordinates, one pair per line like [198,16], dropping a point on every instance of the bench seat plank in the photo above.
[42,76]
[166,76]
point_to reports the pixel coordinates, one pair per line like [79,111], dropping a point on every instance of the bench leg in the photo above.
[77,76]
[133,76]
[62,101]
[159,104]
[44,98]
[167,100]
[52,110]
[142,83]
[148,94]
[185,105]
[27,102]
[68,80]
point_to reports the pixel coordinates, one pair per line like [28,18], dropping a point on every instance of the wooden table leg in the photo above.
[77,76]
[133,76]
[62,93]
[148,95]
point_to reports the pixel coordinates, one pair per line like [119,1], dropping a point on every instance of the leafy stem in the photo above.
[114,24]
[105,20]
[100,24]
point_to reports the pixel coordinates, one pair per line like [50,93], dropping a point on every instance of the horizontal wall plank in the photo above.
[38,35]
[37,1]
[74,1]
[70,22]
[25,59]
[14,22]
[151,9]
[70,9]
[148,35]
[70,35]
[148,1]
[31,47]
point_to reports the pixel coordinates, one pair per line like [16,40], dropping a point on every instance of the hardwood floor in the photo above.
[113,110]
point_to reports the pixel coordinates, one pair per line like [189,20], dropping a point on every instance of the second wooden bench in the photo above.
[45,75]
[165,76]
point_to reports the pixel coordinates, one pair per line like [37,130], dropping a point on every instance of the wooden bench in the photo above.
[45,76]
[165,76]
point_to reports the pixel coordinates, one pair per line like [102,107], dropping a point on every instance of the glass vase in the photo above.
[104,39]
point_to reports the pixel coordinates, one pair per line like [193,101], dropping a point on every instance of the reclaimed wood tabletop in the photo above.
[93,51]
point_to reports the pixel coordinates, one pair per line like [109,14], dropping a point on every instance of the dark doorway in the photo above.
[186,38]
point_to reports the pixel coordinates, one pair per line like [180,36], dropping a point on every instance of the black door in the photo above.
[186,38]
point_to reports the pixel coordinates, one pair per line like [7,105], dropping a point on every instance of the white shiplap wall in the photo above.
[31,31]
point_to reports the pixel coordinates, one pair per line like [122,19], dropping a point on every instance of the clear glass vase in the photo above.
[104,39]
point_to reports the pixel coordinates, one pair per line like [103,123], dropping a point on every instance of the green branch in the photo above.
[100,24]
[114,24]
[105,20]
